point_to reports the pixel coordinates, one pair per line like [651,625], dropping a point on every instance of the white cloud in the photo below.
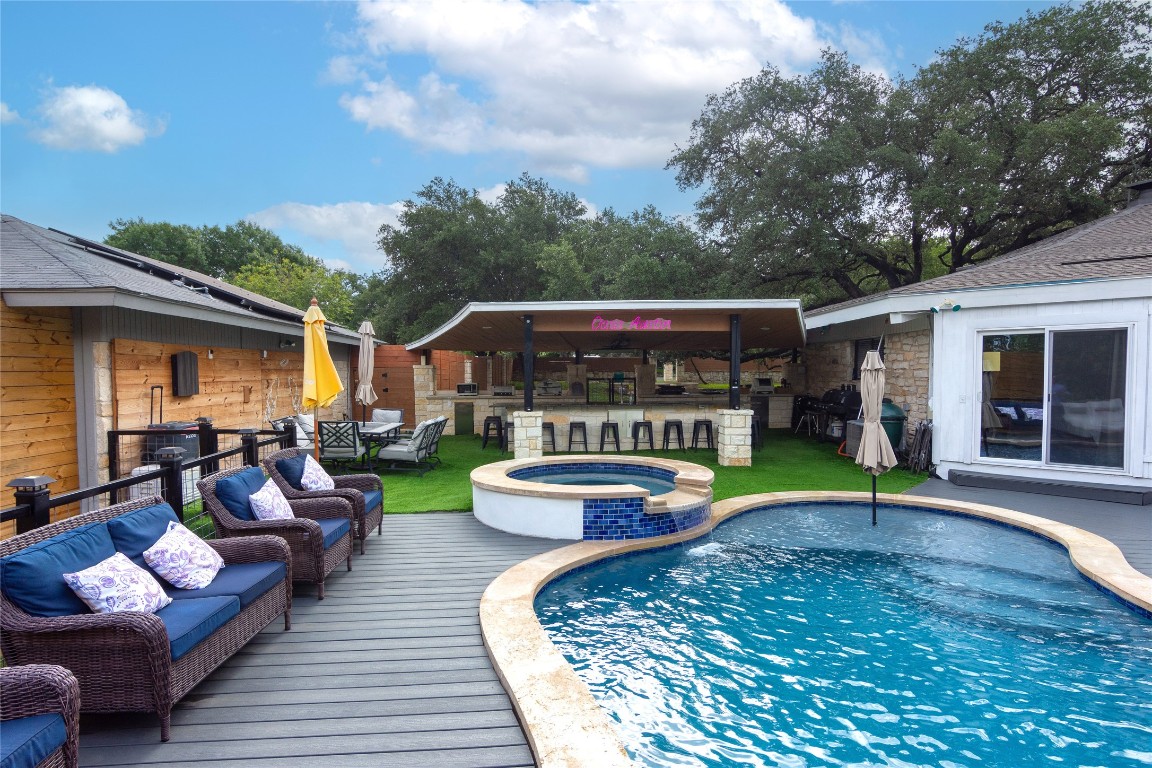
[91,118]
[353,225]
[8,115]
[569,85]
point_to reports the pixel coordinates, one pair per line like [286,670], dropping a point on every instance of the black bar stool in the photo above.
[677,426]
[493,427]
[507,439]
[548,432]
[639,430]
[577,428]
[702,427]
[606,428]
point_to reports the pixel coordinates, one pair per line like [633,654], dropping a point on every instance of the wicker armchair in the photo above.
[350,487]
[311,561]
[44,689]
[123,661]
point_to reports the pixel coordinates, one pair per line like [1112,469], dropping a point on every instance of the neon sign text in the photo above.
[638,324]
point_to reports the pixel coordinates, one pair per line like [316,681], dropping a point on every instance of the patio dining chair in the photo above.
[364,492]
[342,446]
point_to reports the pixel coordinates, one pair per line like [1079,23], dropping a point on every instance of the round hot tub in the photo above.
[592,497]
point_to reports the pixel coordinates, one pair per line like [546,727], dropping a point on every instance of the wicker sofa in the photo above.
[133,661]
[39,716]
[364,492]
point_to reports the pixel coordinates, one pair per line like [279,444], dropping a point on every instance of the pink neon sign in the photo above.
[638,324]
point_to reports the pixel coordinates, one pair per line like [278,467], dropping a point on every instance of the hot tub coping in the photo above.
[690,478]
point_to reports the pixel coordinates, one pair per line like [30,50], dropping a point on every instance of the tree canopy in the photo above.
[839,183]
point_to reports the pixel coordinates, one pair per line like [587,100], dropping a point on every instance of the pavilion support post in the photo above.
[529,363]
[579,357]
[734,362]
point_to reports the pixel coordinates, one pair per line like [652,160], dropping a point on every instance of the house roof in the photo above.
[46,267]
[562,326]
[1115,247]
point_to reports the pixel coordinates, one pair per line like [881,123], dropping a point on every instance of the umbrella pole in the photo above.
[316,433]
[873,499]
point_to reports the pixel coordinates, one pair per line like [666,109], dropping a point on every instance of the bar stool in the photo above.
[507,438]
[639,427]
[606,428]
[757,435]
[548,432]
[493,427]
[809,421]
[702,426]
[575,427]
[677,426]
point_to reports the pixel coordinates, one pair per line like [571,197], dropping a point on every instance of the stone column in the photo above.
[102,397]
[423,388]
[734,437]
[527,434]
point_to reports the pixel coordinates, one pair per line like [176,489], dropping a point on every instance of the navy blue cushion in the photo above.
[292,470]
[26,741]
[333,529]
[372,499]
[33,578]
[246,581]
[233,491]
[137,531]
[190,621]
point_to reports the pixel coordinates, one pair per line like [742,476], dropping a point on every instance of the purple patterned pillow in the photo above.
[117,584]
[315,478]
[183,559]
[269,503]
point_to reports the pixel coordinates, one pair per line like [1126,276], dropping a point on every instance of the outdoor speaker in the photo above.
[185,374]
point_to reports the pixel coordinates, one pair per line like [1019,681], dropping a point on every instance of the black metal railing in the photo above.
[170,477]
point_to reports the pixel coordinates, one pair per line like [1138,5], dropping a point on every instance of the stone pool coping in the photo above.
[562,721]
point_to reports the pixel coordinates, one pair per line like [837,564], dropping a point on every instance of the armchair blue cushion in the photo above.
[334,529]
[27,741]
[372,499]
[33,577]
[233,492]
[293,470]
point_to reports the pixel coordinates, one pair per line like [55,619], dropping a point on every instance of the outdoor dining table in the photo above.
[380,432]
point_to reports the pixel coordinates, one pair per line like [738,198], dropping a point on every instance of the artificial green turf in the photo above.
[786,463]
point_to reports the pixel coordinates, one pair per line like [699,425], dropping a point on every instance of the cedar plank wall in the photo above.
[37,401]
[395,361]
[238,388]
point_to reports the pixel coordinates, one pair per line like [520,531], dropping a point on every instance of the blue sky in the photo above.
[318,119]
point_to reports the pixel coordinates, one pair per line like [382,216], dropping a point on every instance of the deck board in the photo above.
[389,670]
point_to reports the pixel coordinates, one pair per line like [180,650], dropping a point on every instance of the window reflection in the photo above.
[1012,397]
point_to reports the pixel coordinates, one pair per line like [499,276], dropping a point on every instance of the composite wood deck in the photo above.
[389,670]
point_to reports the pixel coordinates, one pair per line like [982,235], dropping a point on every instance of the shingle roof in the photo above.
[35,259]
[1113,247]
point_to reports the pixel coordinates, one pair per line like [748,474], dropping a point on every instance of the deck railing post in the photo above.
[209,442]
[248,438]
[171,461]
[32,491]
[288,427]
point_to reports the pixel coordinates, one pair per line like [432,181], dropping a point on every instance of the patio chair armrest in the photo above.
[252,549]
[321,508]
[40,689]
[362,482]
[135,627]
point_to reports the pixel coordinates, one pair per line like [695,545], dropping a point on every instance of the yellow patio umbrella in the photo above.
[321,381]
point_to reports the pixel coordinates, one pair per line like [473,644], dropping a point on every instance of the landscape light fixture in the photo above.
[947,305]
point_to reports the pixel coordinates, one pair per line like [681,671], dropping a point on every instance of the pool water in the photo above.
[654,485]
[801,636]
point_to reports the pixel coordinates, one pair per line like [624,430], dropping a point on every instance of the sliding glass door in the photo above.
[1055,397]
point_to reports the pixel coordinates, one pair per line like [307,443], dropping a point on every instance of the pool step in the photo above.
[1093,491]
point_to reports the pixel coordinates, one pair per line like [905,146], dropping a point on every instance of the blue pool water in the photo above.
[801,636]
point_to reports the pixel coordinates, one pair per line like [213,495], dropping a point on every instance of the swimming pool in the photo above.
[801,636]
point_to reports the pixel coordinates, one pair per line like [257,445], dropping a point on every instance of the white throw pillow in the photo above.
[314,477]
[118,584]
[183,559]
[269,503]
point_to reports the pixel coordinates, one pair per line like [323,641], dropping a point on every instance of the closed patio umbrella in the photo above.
[875,453]
[365,395]
[321,380]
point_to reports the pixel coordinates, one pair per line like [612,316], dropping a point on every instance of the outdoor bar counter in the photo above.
[774,412]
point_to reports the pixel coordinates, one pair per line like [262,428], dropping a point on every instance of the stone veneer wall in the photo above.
[907,357]
[427,406]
